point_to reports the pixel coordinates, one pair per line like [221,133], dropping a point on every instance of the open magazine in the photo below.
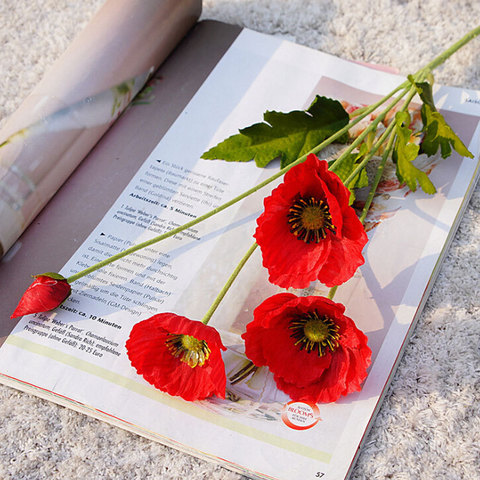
[146,177]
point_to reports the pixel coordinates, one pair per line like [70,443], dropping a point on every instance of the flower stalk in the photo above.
[234,200]
[228,284]
[371,128]
[376,180]
[356,118]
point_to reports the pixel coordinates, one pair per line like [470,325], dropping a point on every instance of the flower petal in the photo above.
[44,294]
[152,358]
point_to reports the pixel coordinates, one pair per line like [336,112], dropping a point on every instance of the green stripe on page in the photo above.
[156,395]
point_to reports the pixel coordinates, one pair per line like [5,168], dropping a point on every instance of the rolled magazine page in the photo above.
[79,98]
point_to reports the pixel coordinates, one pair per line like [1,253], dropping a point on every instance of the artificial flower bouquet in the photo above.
[312,228]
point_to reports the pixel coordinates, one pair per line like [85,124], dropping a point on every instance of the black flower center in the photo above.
[314,332]
[309,219]
[191,351]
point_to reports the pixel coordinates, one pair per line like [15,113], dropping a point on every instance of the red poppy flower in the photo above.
[178,356]
[308,231]
[314,351]
[47,292]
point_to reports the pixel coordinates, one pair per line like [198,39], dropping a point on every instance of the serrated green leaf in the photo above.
[287,136]
[426,94]
[404,153]
[438,134]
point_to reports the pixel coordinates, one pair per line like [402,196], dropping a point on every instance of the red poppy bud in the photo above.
[47,292]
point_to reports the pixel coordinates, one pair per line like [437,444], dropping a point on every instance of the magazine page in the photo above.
[78,100]
[83,200]
[78,351]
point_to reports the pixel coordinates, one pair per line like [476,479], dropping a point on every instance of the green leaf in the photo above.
[404,153]
[426,94]
[438,134]
[346,168]
[287,136]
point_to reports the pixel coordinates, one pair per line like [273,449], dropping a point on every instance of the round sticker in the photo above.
[300,415]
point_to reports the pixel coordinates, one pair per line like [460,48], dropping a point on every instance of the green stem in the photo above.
[371,128]
[419,76]
[386,153]
[430,66]
[376,180]
[371,194]
[231,202]
[452,49]
[370,155]
[332,292]
[380,141]
[228,284]
[358,111]
[345,129]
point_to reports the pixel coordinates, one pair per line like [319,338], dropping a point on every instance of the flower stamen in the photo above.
[309,219]
[314,332]
[191,351]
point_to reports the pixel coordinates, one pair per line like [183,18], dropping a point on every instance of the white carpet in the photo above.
[429,425]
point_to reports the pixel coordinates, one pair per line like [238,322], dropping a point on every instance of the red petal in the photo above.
[288,361]
[328,388]
[43,295]
[196,383]
[150,356]
[268,307]
[290,262]
[177,324]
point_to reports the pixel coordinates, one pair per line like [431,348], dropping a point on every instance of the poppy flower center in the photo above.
[309,219]
[189,349]
[314,332]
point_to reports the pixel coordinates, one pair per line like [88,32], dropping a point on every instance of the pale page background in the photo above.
[428,427]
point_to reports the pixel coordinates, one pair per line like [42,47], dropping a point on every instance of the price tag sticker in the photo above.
[300,415]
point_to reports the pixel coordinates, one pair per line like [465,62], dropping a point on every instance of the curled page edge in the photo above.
[122,45]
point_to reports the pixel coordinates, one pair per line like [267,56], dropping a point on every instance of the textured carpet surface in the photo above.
[429,424]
